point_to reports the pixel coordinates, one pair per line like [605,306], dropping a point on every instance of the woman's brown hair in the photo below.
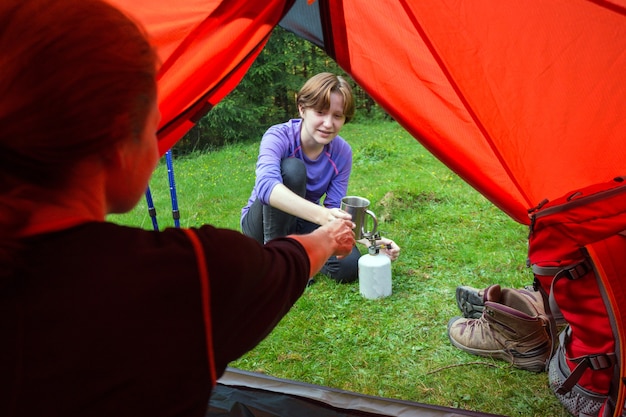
[77,76]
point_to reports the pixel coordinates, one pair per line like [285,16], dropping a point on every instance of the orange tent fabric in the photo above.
[205,48]
[525,100]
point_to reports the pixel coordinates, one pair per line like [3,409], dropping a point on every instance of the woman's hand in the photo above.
[387,246]
[390,248]
[339,235]
[337,213]
[333,238]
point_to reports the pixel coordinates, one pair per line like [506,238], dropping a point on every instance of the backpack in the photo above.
[577,252]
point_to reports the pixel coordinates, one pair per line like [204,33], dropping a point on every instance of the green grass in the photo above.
[394,347]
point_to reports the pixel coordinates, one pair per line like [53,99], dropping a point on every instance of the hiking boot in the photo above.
[513,327]
[471,301]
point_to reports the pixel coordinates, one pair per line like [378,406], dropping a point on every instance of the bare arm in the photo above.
[286,200]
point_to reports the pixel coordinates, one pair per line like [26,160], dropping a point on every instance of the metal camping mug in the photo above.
[357,207]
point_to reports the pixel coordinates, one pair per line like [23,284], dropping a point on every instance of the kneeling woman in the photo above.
[302,161]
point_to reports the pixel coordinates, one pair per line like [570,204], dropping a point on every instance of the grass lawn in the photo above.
[397,346]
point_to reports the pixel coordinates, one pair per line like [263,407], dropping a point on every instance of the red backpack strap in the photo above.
[610,264]
[206,300]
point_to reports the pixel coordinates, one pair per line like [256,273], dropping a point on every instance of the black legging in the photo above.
[263,223]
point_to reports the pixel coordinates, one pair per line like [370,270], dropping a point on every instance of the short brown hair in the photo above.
[315,93]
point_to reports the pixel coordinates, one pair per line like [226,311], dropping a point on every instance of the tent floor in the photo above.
[248,394]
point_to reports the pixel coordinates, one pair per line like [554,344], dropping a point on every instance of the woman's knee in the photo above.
[293,172]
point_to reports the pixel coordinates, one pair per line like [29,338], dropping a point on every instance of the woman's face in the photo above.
[322,126]
[139,158]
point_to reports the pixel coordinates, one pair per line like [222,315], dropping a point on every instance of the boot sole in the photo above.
[469,302]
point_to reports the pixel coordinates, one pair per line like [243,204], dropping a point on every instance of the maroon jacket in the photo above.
[106,320]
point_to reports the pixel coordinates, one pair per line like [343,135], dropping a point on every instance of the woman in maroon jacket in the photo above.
[99,319]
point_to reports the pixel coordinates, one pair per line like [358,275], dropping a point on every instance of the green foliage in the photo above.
[394,347]
[266,95]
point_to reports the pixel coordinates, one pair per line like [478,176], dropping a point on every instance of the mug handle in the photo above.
[375,228]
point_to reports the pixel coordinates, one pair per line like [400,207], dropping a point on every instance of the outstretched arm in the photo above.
[333,238]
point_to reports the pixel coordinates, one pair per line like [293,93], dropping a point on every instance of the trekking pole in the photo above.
[170,176]
[151,209]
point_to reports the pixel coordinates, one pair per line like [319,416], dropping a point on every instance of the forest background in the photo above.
[266,95]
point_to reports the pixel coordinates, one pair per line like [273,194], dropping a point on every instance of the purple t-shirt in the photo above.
[327,175]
